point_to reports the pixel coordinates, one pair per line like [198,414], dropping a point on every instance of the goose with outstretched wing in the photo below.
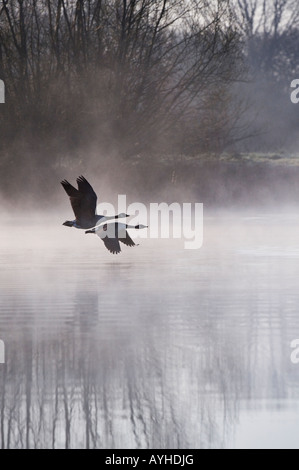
[113,233]
[84,201]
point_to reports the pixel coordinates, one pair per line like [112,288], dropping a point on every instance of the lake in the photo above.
[158,347]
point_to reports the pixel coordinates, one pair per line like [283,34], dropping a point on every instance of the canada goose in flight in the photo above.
[84,202]
[113,233]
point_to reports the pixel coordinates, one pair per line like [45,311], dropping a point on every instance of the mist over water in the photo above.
[158,347]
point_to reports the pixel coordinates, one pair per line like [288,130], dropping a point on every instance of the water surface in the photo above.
[159,347]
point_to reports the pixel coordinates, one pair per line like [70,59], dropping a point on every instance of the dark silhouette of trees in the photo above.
[87,80]
[270,29]
[127,76]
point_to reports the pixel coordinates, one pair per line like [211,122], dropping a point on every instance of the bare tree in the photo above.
[125,76]
[271,32]
[270,29]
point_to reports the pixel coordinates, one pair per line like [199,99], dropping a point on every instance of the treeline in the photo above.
[270,31]
[129,75]
[88,79]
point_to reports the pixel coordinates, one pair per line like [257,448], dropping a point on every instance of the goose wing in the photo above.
[109,234]
[83,200]
[126,239]
[112,244]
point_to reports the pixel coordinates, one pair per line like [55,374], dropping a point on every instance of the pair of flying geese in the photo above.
[84,201]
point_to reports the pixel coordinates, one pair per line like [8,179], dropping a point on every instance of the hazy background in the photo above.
[156,99]
[159,347]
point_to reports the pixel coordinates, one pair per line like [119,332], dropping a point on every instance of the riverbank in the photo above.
[225,182]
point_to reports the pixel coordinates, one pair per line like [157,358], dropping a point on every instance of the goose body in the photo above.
[84,202]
